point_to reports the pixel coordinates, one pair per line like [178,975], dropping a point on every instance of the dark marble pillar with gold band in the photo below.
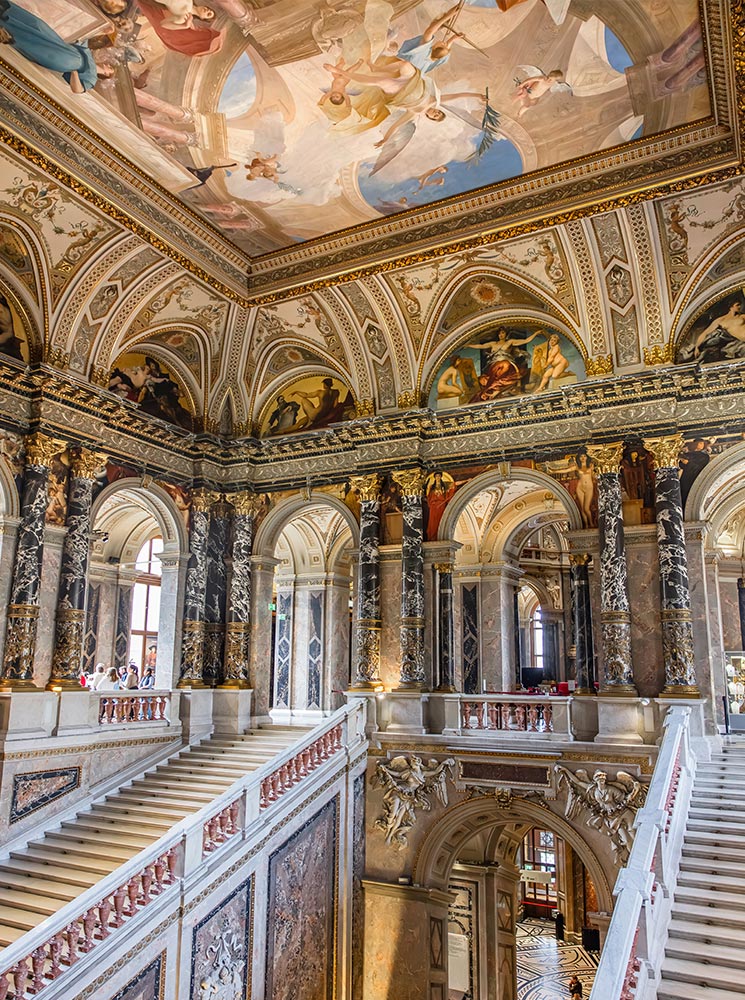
[23,611]
[675,591]
[195,592]
[412,674]
[70,621]
[579,582]
[238,628]
[615,614]
[445,657]
[367,640]
[217,593]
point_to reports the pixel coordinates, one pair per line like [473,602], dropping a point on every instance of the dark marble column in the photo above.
[675,591]
[367,665]
[238,635]
[23,610]
[579,581]
[446,661]
[195,592]
[217,594]
[70,622]
[412,675]
[615,616]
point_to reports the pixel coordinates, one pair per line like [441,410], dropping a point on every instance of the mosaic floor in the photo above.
[544,965]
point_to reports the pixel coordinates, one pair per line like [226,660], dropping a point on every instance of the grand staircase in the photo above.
[705,952]
[50,872]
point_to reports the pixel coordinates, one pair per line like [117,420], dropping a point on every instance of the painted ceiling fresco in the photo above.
[285,120]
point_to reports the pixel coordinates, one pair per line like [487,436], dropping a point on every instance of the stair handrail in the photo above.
[177,853]
[634,945]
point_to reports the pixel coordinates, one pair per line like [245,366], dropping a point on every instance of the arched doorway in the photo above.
[311,544]
[136,580]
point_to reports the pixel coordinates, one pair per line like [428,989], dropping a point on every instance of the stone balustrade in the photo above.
[45,955]
[120,708]
[504,715]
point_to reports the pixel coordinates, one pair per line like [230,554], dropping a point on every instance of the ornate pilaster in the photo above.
[217,593]
[238,628]
[446,662]
[579,581]
[675,591]
[411,482]
[23,611]
[615,616]
[195,592]
[367,669]
[70,623]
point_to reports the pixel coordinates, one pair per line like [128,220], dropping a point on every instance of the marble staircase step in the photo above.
[712,851]
[145,808]
[181,795]
[24,920]
[10,934]
[50,859]
[724,834]
[97,847]
[30,902]
[670,989]
[706,977]
[715,810]
[24,868]
[715,897]
[702,881]
[711,917]
[149,822]
[52,887]
[84,831]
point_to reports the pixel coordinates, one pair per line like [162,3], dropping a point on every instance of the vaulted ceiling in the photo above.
[621,220]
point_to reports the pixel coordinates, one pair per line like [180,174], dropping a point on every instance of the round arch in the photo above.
[536,479]
[729,466]
[277,519]
[153,500]
[10,502]
[461,822]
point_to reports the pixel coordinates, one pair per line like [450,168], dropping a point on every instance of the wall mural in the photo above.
[143,380]
[307,403]
[284,122]
[718,334]
[512,360]
[13,339]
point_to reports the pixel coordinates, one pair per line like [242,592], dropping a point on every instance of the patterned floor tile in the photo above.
[544,965]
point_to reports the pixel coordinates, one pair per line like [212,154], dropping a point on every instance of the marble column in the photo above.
[262,586]
[445,646]
[23,610]
[675,591]
[615,616]
[412,674]
[367,654]
[582,619]
[195,592]
[238,628]
[741,608]
[172,573]
[217,593]
[70,623]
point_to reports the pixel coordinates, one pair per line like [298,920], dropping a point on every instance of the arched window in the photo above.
[143,636]
[536,629]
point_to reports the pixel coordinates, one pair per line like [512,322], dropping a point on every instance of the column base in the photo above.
[234,685]
[680,691]
[19,685]
[411,686]
[619,691]
[65,684]
[583,693]
[192,685]
[619,720]
[445,689]
[366,686]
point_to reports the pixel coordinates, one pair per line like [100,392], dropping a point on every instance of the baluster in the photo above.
[224,823]
[284,772]
[296,769]
[72,936]
[110,707]
[233,817]
[271,790]
[533,718]
[315,757]
[277,785]
[102,710]
[493,712]
[4,985]
[263,794]
[323,749]
[548,718]
[146,877]
[338,738]
[520,717]
[89,924]
[505,716]
[119,709]
[133,891]
[159,868]
[104,910]
[20,976]
[465,715]
[138,709]
[171,862]
[118,898]
[55,955]
[38,960]
[160,708]
[302,765]
[479,715]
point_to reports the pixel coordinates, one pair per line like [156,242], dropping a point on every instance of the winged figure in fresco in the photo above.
[611,803]
[536,85]
[407,784]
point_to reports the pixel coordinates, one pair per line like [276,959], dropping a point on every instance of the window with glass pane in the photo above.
[539,855]
[536,625]
[143,638]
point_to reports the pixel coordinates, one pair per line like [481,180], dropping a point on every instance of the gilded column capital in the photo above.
[247,504]
[41,449]
[367,486]
[607,457]
[665,450]
[411,481]
[579,558]
[88,464]
[202,500]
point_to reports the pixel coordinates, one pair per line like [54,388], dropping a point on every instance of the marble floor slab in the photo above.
[544,965]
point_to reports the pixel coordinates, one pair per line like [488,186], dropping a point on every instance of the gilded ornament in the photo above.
[203,499]
[411,481]
[660,354]
[601,364]
[88,464]
[368,487]
[365,407]
[40,449]
[607,457]
[579,558]
[409,399]
[247,504]
[666,450]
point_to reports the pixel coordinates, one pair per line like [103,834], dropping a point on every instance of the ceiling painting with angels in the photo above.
[285,120]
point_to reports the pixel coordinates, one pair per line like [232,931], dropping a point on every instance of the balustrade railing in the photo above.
[116,708]
[507,714]
[44,954]
[634,946]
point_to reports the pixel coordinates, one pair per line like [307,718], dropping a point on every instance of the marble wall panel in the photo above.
[283,650]
[36,789]
[390,613]
[470,637]
[90,637]
[50,574]
[301,928]
[397,957]
[148,984]
[337,645]
[730,614]
[644,591]
[490,632]
[315,648]
[221,955]
[358,902]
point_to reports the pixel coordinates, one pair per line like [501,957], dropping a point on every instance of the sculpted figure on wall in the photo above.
[610,804]
[408,782]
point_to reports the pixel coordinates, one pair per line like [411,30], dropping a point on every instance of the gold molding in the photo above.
[660,354]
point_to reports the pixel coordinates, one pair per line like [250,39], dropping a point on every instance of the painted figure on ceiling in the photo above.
[186,32]
[506,368]
[438,492]
[284,415]
[9,343]
[723,338]
[40,44]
